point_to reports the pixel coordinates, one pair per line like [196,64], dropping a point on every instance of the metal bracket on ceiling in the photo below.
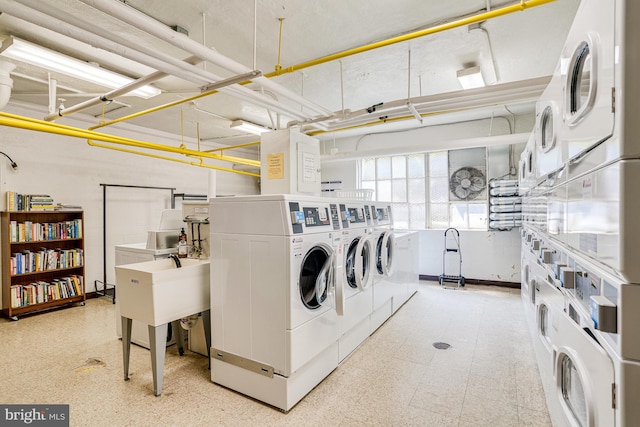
[232,80]
[373,107]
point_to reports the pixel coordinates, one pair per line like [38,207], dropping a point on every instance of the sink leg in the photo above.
[206,320]
[158,344]
[126,344]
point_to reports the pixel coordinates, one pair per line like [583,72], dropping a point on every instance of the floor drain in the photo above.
[441,345]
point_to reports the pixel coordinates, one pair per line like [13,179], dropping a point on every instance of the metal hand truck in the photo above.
[451,249]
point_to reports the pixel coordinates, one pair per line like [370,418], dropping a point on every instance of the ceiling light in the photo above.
[471,77]
[248,127]
[33,54]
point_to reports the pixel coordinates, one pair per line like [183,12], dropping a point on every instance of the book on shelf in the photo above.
[29,202]
[29,231]
[41,291]
[27,261]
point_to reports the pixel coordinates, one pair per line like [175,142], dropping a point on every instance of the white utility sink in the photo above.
[157,292]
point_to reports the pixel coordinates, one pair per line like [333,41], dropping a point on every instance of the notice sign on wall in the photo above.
[275,166]
[309,167]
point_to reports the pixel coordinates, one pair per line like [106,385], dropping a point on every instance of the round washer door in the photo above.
[584,374]
[364,258]
[316,281]
[350,263]
[384,253]
[581,82]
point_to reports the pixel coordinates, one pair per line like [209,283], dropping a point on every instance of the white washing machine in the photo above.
[276,294]
[600,87]
[382,236]
[613,317]
[591,208]
[359,265]
[584,374]
[586,339]
[603,134]
[587,77]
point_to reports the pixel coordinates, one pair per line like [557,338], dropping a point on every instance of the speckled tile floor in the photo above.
[488,377]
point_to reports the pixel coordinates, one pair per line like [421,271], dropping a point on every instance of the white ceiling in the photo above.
[513,48]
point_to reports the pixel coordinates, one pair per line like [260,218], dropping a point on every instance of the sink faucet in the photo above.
[176,260]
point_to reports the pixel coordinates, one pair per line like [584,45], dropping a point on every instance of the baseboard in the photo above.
[468,281]
[99,294]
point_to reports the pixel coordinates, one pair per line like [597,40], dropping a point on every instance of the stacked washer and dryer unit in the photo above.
[579,178]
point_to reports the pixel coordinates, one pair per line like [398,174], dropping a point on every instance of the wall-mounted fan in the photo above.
[467,183]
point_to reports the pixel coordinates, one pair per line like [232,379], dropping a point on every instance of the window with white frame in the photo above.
[402,181]
[453,182]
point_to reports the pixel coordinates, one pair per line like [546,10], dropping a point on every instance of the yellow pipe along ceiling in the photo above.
[28,123]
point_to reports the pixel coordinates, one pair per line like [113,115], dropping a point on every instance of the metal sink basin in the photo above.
[157,292]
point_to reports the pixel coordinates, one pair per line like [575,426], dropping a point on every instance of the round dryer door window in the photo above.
[547,129]
[573,390]
[357,266]
[581,83]
[316,277]
[384,253]
[350,263]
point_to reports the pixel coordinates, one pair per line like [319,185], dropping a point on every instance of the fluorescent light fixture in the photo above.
[33,54]
[248,127]
[415,113]
[471,77]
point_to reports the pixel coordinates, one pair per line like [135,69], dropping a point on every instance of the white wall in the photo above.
[487,255]
[71,172]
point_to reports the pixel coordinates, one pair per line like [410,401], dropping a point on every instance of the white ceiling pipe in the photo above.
[483,141]
[141,21]
[121,41]
[33,16]
[472,98]
[142,81]
[6,83]
[524,89]
[53,93]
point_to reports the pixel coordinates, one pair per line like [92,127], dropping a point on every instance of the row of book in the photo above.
[39,292]
[45,259]
[29,202]
[29,231]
